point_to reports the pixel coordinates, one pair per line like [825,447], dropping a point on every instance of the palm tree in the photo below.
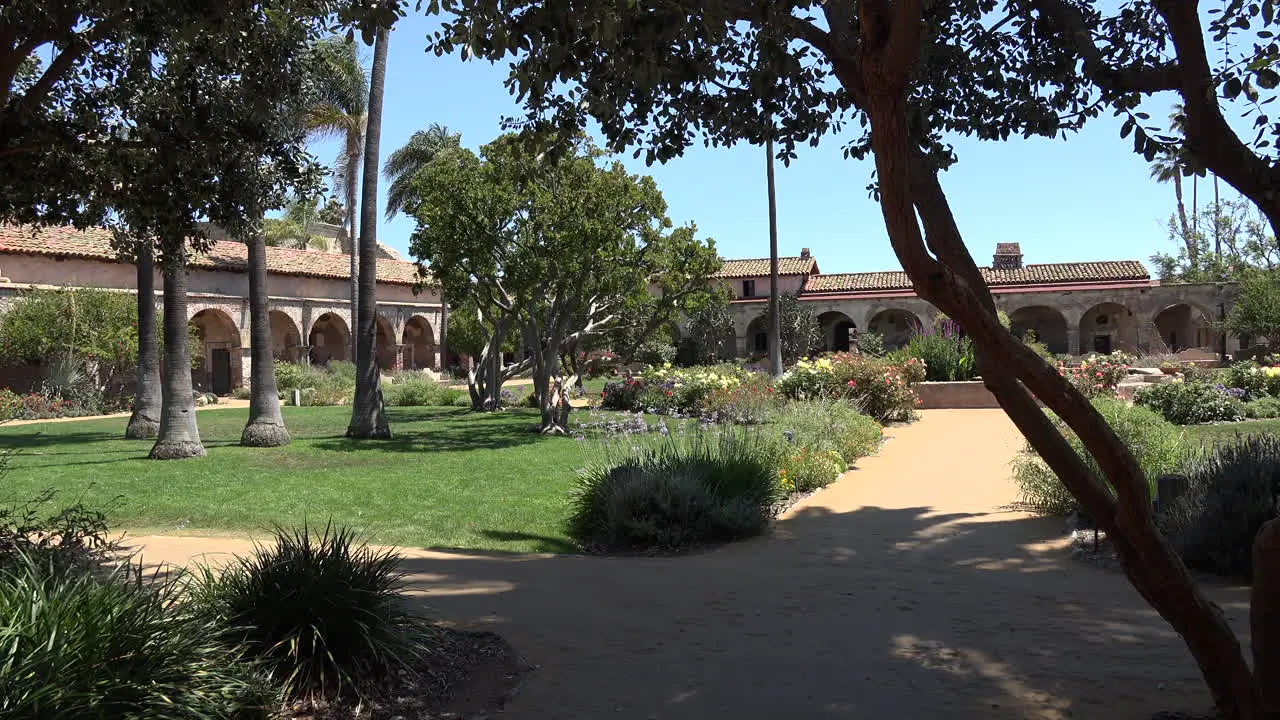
[266,425]
[341,109]
[368,415]
[403,164]
[178,436]
[144,422]
[1169,166]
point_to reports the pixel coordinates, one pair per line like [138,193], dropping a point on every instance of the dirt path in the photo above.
[223,404]
[900,592]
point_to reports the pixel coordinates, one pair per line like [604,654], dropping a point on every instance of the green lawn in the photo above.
[449,479]
[1226,431]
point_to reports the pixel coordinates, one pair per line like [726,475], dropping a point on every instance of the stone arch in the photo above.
[1107,327]
[329,338]
[420,344]
[385,346]
[757,336]
[220,366]
[895,325]
[835,330]
[1186,325]
[1048,324]
[285,337]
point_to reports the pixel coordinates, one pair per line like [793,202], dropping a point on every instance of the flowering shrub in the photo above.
[945,353]
[1096,376]
[1184,403]
[621,394]
[881,388]
[807,470]
[598,363]
[35,406]
[1255,380]
[747,404]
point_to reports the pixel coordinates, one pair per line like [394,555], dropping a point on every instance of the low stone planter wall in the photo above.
[955,395]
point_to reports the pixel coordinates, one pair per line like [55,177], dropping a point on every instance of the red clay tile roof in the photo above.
[1047,274]
[760,267]
[95,244]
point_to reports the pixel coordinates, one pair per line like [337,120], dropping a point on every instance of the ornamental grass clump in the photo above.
[113,645]
[677,490]
[1157,444]
[326,615]
[830,425]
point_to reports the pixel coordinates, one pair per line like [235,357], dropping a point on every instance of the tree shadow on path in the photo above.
[875,613]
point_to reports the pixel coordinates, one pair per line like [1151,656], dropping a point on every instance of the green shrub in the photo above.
[115,646]
[1231,491]
[418,392]
[1156,443]
[677,491]
[1263,408]
[1186,403]
[325,614]
[830,425]
[945,352]
[806,470]
[241,393]
[344,370]
[292,376]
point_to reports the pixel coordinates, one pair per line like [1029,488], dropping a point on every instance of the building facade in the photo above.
[1073,308]
[309,293]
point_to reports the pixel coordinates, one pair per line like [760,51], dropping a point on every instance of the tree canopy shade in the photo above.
[549,244]
[658,76]
[72,130]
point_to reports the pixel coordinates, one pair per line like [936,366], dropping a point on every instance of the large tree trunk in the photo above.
[368,415]
[550,389]
[1264,620]
[890,37]
[179,437]
[353,154]
[266,423]
[144,422]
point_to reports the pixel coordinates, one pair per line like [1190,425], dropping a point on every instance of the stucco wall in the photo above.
[1131,312]
[297,303]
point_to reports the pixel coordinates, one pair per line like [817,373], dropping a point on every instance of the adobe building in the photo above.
[309,294]
[1073,308]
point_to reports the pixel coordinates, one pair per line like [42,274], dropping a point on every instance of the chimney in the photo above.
[1008,257]
[804,253]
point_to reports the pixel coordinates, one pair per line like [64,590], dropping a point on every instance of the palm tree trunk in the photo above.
[353,154]
[775,311]
[1188,238]
[266,423]
[144,422]
[1217,220]
[179,437]
[368,415]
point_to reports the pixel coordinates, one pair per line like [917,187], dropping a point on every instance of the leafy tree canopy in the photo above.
[155,115]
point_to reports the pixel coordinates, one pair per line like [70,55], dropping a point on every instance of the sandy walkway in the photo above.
[223,404]
[900,592]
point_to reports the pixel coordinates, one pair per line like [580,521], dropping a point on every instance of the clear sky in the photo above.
[1089,198]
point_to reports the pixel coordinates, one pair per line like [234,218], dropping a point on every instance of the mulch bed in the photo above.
[472,676]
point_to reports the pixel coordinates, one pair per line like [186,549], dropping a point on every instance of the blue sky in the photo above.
[1087,199]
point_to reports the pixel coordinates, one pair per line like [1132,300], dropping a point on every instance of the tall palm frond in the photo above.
[403,164]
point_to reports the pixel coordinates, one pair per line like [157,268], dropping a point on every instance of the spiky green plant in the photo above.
[326,613]
[115,645]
